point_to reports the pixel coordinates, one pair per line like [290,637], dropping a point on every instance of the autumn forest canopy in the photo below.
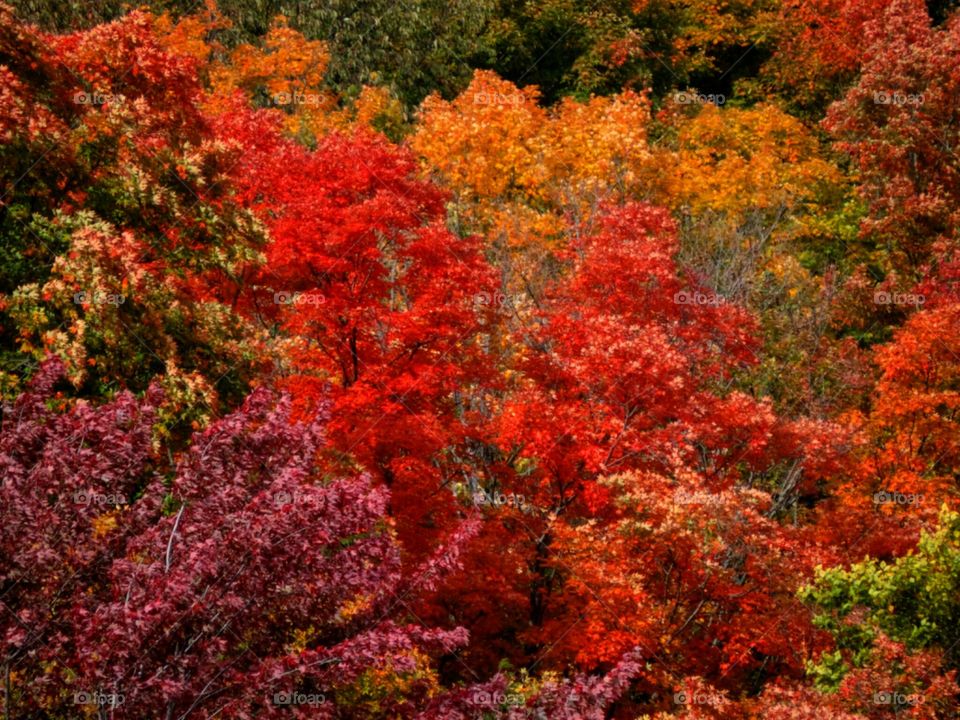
[475,359]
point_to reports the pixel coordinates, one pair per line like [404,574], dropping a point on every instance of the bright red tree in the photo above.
[381,304]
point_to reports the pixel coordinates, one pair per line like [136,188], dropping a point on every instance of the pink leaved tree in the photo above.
[242,581]
[236,579]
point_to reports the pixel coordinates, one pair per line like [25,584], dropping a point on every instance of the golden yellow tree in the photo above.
[524,175]
[284,71]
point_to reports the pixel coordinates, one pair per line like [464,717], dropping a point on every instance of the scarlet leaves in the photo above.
[897,123]
[379,300]
[549,411]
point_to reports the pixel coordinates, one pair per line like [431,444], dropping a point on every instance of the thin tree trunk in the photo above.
[6,691]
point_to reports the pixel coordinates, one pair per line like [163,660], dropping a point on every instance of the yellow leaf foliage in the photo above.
[516,168]
[731,160]
[284,72]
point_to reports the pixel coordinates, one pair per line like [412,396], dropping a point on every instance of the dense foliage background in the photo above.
[480,359]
